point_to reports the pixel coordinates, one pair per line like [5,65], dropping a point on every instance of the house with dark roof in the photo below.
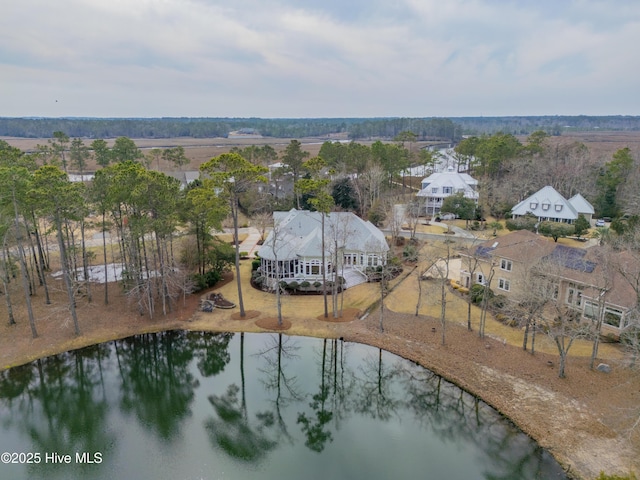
[589,281]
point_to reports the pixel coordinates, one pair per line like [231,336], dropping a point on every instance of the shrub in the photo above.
[255,264]
[528,222]
[292,285]
[604,476]
[209,279]
[477,293]
[498,301]
[317,284]
[464,290]
[410,253]
[305,284]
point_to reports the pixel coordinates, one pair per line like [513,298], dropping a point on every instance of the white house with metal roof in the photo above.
[582,206]
[293,249]
[440,185]
[548,205]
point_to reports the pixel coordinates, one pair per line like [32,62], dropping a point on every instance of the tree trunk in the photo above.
[65,274]
[234,215]
[324,273]
[104,253]
[534,326]
[443,305]
[23,268]
[5,282]
[41,261]
[85,261]
[525,338]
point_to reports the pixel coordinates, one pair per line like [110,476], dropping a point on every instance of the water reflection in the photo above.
[202,405]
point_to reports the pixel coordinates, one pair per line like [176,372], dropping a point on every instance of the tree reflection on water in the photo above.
[267,396]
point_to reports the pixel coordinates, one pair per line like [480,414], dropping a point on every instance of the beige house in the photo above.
[588,281]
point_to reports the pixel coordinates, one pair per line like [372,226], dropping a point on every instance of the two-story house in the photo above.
[440,185]
[589,281]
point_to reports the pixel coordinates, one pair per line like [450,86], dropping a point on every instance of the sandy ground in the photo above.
[583,420]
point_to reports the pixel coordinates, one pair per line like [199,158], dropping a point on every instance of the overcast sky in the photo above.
[319,58]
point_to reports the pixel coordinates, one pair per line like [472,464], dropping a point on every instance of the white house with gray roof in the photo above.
[440,185]
[548,205]
[293,249]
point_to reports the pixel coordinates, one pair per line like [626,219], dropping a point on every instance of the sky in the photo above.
[319,58]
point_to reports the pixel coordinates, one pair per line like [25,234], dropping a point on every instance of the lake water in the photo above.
[190,405]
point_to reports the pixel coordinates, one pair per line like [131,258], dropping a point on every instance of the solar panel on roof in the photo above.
[484,251]
[572,258]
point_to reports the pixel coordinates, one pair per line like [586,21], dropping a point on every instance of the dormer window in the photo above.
[434,190]
[558,207]
[446,189]
[545,206]
[533,205]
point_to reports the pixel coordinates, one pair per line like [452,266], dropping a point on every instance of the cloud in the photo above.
[318,58]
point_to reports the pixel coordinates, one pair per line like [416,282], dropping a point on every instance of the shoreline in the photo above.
[571,418]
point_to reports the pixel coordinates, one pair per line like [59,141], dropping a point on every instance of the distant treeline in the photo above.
[357,128]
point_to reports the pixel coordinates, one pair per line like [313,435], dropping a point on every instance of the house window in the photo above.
[613,317]
[533,205]
[545,206]
[434,190]
[480,278]
[574,295]
[504,284]
[590,310]
[556,289]
[446,189]
[506,264]
[558,208]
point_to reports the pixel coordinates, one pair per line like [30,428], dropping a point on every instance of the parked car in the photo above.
[600,222]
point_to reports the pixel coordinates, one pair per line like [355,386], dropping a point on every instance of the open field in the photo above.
[199,150]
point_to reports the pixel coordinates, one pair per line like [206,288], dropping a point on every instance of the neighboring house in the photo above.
[585,280]
[352,245]
[582,206]
[185,177]
[438,186]
[548,205]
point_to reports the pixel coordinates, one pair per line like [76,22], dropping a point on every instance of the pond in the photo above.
[195,405]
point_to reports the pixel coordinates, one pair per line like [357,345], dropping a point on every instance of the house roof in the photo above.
[598,269]
[546,202]
[520,246]
[299,234]
[595,267]
[457,181]
[581,205]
